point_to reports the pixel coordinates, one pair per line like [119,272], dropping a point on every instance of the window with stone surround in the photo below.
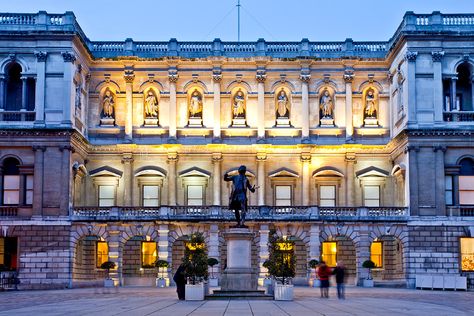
[328,181]
[102,253]
[106,195]
[376,253]
[11,182]
[467,253]
[372,195]
[466,182]
[283,195]
[194,195]
[329,253]
[151,195]
[327,195]
[149,254]
[194,181]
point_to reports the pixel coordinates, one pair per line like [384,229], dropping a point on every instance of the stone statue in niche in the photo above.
[108,108]
[238,106]
[195,104]
[151,105]
[282,106]
[326,106]
[370,109]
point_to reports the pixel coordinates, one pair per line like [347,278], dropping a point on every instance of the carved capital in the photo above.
[261,76]
[172,157]
[216,157]
[127,158]
[217,76]
[305,157]
[66,147]
[348,76]
[437,56]
[351,158]
[412,148]
[173,76]
[36,148]
[261,157]
[411,56]
[68,57]
[439,148]
[41,56]
[305,77]
[129,75]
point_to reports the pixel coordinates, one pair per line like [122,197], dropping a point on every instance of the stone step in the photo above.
[239,295]
[391,284]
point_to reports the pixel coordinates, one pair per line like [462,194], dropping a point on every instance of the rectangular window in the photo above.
[467,254]
[106,195]
[466,190]
[329,253]
[102,253]
[11,190]
[327,195]
[148,254]
[29,190]
[376,253]
[195,195]
[283,195]
[151,195]
[8,252]
[372,195]
[448,194]
[2,251]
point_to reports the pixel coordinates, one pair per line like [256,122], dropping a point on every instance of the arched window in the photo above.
[11,182]
[458,94]
[13,88]
[18,94]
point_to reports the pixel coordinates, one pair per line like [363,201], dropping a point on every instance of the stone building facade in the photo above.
[117,150]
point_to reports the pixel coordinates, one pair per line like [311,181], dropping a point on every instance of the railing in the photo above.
[338,211]
[7,211]
[239,47]
[91,211]
[370,46]
[466,210]
[9,280]
[152,47]
[17,116]
[132,212]
[458,19]
[387,211]
[14,18]
[459,116]
[327,46]
[189,210]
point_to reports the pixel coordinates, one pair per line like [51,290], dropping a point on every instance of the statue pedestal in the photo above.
[283,122]
[107,122]
[195,122]
[327,122]
[151,122]
[239,274]
[371,122]
[239,122]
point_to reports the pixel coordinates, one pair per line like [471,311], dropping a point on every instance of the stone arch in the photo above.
[191,85]
[239,84]
[458,161]
[156,85]
[454,67]
[6,62]
[371,84]
[320,85]
[8,156]
[104,84]
[283,84]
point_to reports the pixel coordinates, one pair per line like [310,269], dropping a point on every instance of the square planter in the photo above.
[368,283]
[160,282]
[213,282]
[283,292]
[109,283]
[194,292]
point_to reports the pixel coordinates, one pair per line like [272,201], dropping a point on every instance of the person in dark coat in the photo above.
[180,279]
[340,271]
[238,197]
[324,272]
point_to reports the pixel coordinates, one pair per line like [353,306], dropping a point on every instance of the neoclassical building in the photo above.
[117,150]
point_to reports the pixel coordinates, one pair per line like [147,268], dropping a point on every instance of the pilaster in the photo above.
[350,161]
[216,178]
[216,84]
[40,86]
[348,79]
[438,86]
[127,161]
[305,159]
[38,180]
[305,78]
[172,161]
[173,78]
[261,158]
[129,76]
[261,76]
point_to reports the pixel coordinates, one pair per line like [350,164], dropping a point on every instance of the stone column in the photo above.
[216,79]
[216,179]
[305,78]
[261,76]
[173,78]
[115,254]
[440,181]
[172,161]
[348,78]
[438,86]
[411,59]
[263,252]
[213,248]
[454,106]
[2,93]
[362,252]
[350,161]
[24,94]
[306,178]
[127,161]
[163,245]
[129,76]
[413,178]
[66,179]
[69,91]
[38,180]
[261,158]
[314,242]
[40,86]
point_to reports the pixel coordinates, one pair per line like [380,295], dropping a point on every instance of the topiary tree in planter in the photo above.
[281,260]
[108,265]
[369,264]
[161,265]
[313,264]
[195,259]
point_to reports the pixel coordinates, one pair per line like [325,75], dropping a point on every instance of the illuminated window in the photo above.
[2,251]
[448,184]
[327,195]
[106,195]
[467,254]
[102,253]
[283,195]
[29,190]
[8,252]
[151,195]
[329,253]
[376,253]
[466,190]
[372,195]
[148,254]
[195,195]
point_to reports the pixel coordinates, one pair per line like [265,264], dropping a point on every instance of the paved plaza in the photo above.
[153,301]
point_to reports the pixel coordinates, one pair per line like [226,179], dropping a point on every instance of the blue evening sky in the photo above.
[204,20]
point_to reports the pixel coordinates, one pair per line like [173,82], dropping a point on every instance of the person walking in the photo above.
[180,279]
[324,272]
[339,271]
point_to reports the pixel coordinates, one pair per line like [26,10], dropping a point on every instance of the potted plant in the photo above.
[281,265]
[108,265]
[313,265]
[161,266]
[368,264]
[195,263]
[212,280]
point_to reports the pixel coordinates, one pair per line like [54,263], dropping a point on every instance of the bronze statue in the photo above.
[238,198]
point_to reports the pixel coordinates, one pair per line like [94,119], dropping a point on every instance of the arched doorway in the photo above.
[90,252]
[340,249]
[387,253]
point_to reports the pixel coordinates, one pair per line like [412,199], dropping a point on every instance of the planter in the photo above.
[109,283]
[213,282]
[283,292]
[194,292]
[160,282]
[368,283]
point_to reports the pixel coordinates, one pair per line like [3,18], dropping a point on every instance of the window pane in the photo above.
[150,191]
[329,251]
[449,197]
[328,203]
[106,202]
[11,182]
[194,191]
[2,250]
[29,197]
[148,253]
[195,201]
[106,191]
[467,254]
[11,197]
[448,182]
[466,183]
[283,192]
[102,252]
[29,182]
[327,192]
[466,197]
[376,254]
[372,192]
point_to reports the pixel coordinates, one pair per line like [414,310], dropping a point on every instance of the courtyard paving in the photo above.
[153,301]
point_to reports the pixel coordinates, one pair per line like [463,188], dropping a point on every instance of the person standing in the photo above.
[340,271]
[180,279]
[324,272]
